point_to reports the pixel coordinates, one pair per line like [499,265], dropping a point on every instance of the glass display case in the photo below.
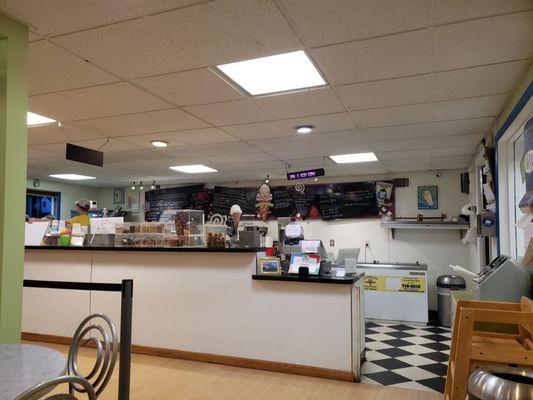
[140,234]
[187,229]
[216,236]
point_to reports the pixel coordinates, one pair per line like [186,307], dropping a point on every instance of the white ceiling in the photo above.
[416,81]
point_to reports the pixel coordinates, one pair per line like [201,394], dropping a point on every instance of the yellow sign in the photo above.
[413,284]
[395,283]
[375,282]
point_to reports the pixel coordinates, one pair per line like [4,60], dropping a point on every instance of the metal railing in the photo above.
[126,288]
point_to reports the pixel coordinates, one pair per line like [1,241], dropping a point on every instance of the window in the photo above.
[512,185]
[40,204]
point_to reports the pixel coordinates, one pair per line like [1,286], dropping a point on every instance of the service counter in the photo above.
[202,304]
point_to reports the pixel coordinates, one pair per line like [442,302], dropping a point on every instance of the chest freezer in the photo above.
[396,292]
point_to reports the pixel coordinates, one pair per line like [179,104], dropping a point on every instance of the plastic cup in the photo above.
[64,240]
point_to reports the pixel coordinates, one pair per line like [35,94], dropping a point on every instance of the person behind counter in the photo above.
[82,208]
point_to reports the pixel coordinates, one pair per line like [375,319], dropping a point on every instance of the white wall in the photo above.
[106,200]
[438,249]
[69,193]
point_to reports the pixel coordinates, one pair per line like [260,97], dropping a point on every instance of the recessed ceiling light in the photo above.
[193,169]
[304,129]
[33,119]
[159,143]
[272,74]
[72,177]
[354,158]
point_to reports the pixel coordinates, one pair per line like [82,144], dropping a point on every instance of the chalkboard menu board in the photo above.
[349,200]
[329,202]
[177,198]
[225,197]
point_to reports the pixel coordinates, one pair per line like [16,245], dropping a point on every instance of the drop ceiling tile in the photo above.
[272,129]
[402,155]
[379,58]
[453,151]
[61,16]
[399,145]
[370,168]
[32,37]
[157,6]
[232,112]
[420,164]
[475,107]
[450,162]
[222,158]
[478,81]
[111,146]
[36,153]
[461,126]
[387,92]
[309,102]
[236,149]
[325,22]
[411,114]
[308,141]
[263,166]
[148,122]
[182,138]
[129,49]
[396,132]
[137,154]
[324,151]
[191,87]
[229,30]
[48,134]
[512,34]
[51,69]
[95,102]
[458,10]
[456,141]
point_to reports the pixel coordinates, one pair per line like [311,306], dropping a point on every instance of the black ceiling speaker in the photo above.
[85,155]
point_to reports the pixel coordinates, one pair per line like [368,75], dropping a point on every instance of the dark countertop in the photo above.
[151,249]
[346,280]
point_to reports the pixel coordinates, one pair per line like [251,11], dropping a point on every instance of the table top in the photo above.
[23,366]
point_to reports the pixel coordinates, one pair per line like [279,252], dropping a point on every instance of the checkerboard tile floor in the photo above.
[406,356]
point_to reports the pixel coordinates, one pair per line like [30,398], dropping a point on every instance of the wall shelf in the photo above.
[460,226]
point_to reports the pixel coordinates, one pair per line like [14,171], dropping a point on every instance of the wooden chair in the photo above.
[473,347]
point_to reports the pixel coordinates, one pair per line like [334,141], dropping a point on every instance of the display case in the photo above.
[216,236]
[140,234]
[187,229]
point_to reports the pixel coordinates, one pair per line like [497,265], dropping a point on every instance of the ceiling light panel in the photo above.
[282,72]
[36,119]
[193,169]
[353,158]
[72,177]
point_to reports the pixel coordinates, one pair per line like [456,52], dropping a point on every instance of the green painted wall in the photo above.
[13,139]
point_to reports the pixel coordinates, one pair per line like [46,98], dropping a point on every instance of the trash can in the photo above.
[445,284]
[501,382]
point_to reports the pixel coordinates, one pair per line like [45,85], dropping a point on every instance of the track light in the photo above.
[153,185]
[133,186]
[267,179]
[141,187]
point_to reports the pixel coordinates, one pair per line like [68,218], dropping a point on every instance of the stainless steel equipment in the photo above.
[503,280]
[445,284]
[501,383]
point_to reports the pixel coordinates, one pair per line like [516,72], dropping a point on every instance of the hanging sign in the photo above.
[309,173]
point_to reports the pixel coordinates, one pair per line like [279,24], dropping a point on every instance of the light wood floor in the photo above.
[159,378]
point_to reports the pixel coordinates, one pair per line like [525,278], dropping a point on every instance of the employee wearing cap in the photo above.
[82,207]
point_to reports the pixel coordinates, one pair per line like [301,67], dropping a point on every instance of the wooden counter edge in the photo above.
[241,362]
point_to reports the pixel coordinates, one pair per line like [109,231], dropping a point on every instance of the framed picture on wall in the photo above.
[428,197]
[118,195]
[132,201]
[269,266]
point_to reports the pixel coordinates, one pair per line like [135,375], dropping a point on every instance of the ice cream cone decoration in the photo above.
[264,202]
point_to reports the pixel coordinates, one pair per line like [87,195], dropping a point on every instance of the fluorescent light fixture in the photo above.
[353,158]
[159,143]
[72,177]
[193,169]
[272,74]
[303,129]
[33,119]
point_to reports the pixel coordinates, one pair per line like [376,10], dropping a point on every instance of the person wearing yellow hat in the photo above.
[82,207]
